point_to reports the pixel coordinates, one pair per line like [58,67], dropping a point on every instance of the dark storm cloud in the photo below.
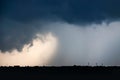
[68,10]
[20,20]
[17,12]
[15,34]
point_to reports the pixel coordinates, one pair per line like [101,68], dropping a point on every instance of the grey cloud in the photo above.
[78,44]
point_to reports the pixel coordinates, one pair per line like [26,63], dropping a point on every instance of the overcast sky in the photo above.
[71,32]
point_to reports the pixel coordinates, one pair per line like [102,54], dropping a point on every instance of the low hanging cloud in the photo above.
[37,53]
[73,44]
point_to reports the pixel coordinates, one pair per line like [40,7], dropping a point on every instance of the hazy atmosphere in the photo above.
[59,32]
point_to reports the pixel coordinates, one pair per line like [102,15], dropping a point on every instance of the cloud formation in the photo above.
[37,53]
[73,11]
[86,30]
[78,44]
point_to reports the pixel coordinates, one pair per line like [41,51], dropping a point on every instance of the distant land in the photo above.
[62,72]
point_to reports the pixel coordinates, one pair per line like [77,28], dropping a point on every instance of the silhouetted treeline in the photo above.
[62,72]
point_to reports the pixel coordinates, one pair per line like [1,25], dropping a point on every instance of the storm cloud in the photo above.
[39,54]
[81,11]
[86,30]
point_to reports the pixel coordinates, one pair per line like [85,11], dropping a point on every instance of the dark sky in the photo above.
[71,11]
[68,10]
[20,20]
